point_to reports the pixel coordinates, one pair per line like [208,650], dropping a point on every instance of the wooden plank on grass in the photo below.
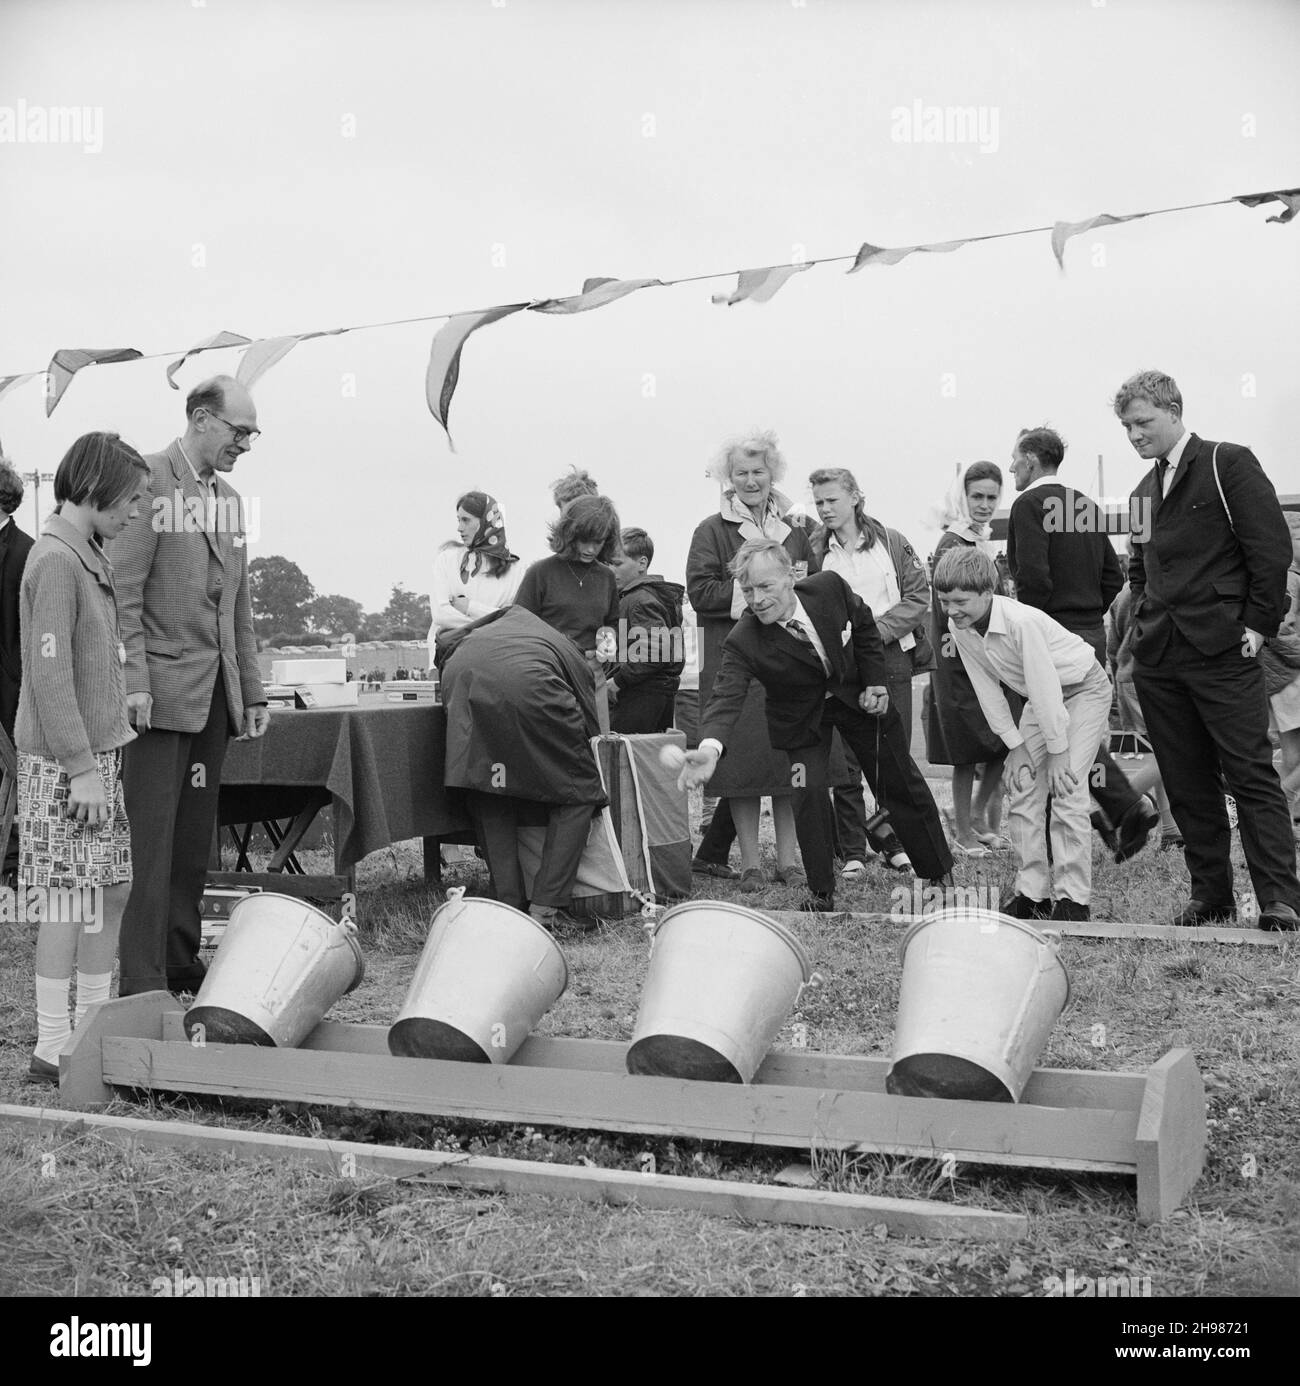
[1170,1136]
[760,1114]
[81,1076]
[1047,1087]
[1174,933]
[717,1197]
[1095,928]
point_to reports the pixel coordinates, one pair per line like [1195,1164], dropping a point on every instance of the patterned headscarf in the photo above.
[490,541]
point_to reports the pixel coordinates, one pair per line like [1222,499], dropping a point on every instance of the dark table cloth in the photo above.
[381,761]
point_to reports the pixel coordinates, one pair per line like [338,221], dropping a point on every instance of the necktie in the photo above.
[1164,475]
[796,629]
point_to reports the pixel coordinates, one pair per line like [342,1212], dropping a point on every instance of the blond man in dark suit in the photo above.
[191,677]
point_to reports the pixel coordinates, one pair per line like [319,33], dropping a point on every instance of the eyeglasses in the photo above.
[238,431]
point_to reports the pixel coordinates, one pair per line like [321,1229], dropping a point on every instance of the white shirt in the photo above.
[1028,651]
[485,593]
[870,573]
[1174,456]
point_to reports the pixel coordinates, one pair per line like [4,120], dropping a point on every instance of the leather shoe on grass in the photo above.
[752,881]
[43,1072]
[791,876]
[713,868]
[1197,912]
[1135,827]
[1278,916]
[1169,840]
[1069,911]
[1022,907]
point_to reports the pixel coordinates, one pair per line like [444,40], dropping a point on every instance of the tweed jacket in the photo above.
[183,599]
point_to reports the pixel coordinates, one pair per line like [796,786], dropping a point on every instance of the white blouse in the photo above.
[485,593]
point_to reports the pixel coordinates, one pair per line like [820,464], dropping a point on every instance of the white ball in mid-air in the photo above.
[672,757]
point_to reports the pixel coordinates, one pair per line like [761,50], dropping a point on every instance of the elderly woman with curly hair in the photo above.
[748,470]
[574,590]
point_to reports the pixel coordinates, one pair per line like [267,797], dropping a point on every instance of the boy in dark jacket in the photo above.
[651,650]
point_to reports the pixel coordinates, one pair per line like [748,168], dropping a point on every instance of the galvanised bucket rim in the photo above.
[346,926]
[754,916]
[1050,939]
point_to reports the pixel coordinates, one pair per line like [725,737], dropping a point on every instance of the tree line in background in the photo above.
[287,610]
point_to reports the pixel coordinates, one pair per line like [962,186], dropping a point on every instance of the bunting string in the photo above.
[756,285]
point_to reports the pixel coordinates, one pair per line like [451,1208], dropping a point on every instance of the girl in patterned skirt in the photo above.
[74,840]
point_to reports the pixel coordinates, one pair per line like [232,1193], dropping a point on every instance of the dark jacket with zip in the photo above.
[651,647]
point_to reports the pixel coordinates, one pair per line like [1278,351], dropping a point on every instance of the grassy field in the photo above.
[78,1216]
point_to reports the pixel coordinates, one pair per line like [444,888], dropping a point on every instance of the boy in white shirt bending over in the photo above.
[1052,751]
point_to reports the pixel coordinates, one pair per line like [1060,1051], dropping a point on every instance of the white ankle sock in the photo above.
[91,987]
[53,1029]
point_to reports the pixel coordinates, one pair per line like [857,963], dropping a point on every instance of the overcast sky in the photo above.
[280,168]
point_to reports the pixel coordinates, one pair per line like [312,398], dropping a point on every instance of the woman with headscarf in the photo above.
[747,469]
[956,732]
[475,574]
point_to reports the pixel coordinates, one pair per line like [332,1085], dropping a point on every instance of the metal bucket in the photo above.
[487,975]
[979,996]
[722,980]
[281,965]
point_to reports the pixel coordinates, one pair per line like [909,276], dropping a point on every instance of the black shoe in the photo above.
[43,1072]
[1278,916]
[1197,912]
[1070,911]
[1170,840]
[1022,907]
[817,904]
[713,868]
[1135,827]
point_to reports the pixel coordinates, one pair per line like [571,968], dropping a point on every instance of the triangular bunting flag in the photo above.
[218,339]
[596,293]
[444,358]
[9,382]
[69,360]
[261,356]
[1065,230]
[1289,198]
[869,254]
[759,285]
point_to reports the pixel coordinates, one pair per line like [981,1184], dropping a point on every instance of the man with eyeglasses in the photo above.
[192,681]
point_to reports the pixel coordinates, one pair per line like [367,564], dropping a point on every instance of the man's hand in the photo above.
[698,769]
[139,710]
[256,721]
[460,602]
[874,700]
[1253,643]
[1060,778]
[86,801]
[1018,761]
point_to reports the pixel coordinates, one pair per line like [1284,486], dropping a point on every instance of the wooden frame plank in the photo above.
[719,1197]
[761,1114]
[81,1065]
[1047,1087]
[1171,1135]
[1095,928]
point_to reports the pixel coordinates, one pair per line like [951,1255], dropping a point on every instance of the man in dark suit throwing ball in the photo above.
[1209,587]
[814,647]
